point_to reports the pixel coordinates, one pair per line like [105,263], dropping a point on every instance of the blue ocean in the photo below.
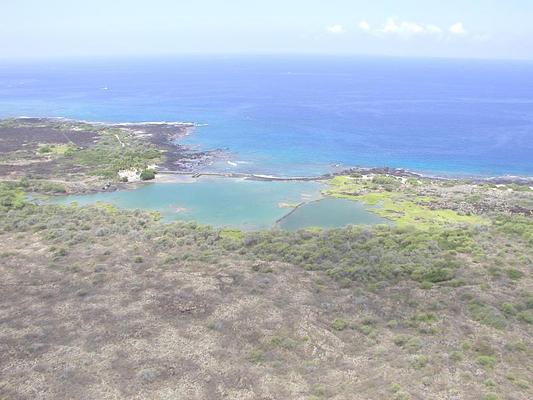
[303,115]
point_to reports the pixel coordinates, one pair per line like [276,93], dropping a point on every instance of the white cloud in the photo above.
[391,26]
[458,29]
[408,28]
[411,27]
[335,29]
[395,26]
[364,25]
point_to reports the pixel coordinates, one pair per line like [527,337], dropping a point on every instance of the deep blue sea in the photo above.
[303,115]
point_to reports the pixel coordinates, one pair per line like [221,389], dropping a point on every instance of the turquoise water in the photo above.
[330,213]
[235,203]
[214,201]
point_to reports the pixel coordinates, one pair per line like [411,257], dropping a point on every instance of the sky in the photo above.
[499,29]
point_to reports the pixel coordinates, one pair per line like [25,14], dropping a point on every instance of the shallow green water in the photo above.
[223,202]
[330,213]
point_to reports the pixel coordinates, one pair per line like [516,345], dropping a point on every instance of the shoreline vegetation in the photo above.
[101,302]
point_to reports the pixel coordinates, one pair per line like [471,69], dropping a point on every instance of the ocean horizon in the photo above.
[303,115]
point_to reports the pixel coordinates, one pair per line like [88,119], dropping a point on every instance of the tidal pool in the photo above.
[235,203]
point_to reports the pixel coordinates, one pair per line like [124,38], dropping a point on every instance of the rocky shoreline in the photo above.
[401,172]
[69,153]
[396,172]
[20,139]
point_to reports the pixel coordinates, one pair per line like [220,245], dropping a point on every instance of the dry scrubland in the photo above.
[102,303]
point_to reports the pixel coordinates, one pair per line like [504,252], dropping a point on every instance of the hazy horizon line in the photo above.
[111,57]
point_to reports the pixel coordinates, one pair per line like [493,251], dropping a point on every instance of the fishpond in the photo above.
[237,203]
[330,213]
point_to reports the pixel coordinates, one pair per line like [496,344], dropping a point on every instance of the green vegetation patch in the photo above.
[487,362]
[339,324]
[116,150]
[59,149]
[147,174]
[380,253]
[405,207]
[516,225]
[11,196]
[486,314]
[231,234]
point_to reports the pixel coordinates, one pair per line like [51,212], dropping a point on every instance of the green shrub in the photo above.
[257,356]
[366,329]
[11,197]
[486,314]
[514,274]
[401,340]
[487,362]
[525,316]
[456,282]
[489,383]
[408,342]
[419,361]
[147,174]
[339,324]
[433,275]
[426,285]
[508,309]
[44,149]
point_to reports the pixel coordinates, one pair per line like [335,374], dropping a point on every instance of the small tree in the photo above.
[147,174]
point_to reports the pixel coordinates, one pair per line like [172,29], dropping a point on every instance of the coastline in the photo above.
[185,160]
[398,172]
[155,147]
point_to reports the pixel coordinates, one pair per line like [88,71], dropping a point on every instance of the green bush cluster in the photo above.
[147,175]
[11,196]
[366,254]
[516,225]
[385,182]
[41,186]
[59,149]
[339,324]
[486,314]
